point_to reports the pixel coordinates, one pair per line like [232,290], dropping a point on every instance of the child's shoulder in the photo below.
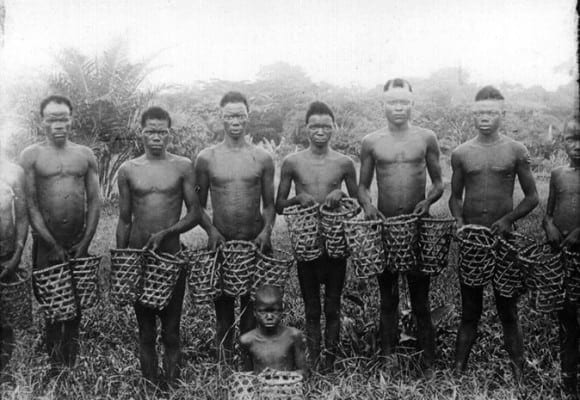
[248,337]
[294,333]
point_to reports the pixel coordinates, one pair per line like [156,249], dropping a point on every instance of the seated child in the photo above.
[272,344]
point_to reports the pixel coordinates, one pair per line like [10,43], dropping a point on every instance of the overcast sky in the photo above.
[341,42]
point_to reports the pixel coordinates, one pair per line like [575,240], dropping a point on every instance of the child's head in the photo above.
[572,138]
[268,306]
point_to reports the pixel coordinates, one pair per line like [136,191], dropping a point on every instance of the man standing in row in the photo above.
[62,191]
[400,153]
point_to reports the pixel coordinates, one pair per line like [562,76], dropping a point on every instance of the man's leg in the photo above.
[6,345]
[310,288]
[70,340]
[335,269]
[507,309]
[389,318]
[147,335]
[471,307]
[170,321]
[225,318]
[53,333]
[247,319]
[569,333]
[419,291]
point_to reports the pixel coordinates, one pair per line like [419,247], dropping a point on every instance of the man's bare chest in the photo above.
[155,180]
[52,165]
[396,152]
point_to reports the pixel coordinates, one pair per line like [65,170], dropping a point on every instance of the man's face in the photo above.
[398,105]
[235,119]
[572,140]
[56,123]
[487,115]
[320,129]
[156,135]
[268,313]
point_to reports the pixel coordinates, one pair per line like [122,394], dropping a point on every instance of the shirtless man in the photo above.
[62,191]
[562,227]
[152,190]
[239,175]
[13,234]
[485,169]
[271,344]
[318,173]
[400,153]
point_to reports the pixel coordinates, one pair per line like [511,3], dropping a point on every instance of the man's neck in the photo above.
[399,129]
[235,143]
[575,163]
[154,157]
[488,138]
[319,151]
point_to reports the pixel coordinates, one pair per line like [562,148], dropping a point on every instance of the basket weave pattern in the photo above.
[572,267]
[365,245]
[204,277]
[239,266]
[16,303]
[55,292]
[434,239]
[280,385]
[126,279]
[160,274]
[508,276]
[85,278]
[304,232]
[272,269]
[476,255]
[332,229]
[400,235]
[242,386]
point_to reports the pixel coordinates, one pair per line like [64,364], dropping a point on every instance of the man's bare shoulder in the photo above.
[31,152]
[11,172]
[293,158]
[425,133]
[374,136]
[208,152]
[132,163]
[182,163]
[340,158]
[464,148]
[557,173]
[81,149]
[261,154]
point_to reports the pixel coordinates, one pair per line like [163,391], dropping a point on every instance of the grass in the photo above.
[108,366]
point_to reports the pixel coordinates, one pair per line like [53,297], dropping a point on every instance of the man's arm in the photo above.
[93,206]
[457,186]
[434,169]
[528,185]
[201,186]
[268,209]
[553,234]
[349,176]
[367,167]
[27,161]
[21,218]
[286,177]
[125,211]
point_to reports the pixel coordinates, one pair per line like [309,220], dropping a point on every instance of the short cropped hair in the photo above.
[318,108]
[155,113]
[397,83]
[234,97]
[55,98]
[488,93]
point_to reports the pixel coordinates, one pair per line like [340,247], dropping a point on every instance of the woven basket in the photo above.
[304,231]
[86,280]
[400,237]
[508,277]
[160,274]
[546,276]
[476,255]
[572,268]
[435,236]
[55,292]
[365,246]
[331,228]
[239,267]
[126,276]
[16,302]
[204,277]
[280,385]
[272,269]
[242,386]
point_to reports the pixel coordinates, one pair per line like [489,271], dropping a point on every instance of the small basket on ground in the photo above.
[435,235]
[126,276]
[546,276]
[304,231]
[242,386]
[400,236]
[280,385]
[160,274]
[204,276]
[332,229]
[86,280]
[239,266]
[365,246]
[476,255]
[272,269]
[572,268]
[508,276]
[54,291]
[16,302]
